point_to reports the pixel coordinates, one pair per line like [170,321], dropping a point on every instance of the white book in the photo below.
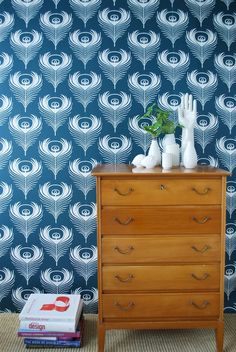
[41,326]
[52,308]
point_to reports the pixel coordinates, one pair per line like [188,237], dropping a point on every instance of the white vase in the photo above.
[190,156]
[168,139]
[174,150]
[167,161]
[155,151]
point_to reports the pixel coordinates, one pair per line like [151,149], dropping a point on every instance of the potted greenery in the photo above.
[161,124]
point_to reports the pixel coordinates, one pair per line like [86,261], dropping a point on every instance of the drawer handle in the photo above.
[202,278]
[162,187]
[128,279]
[202,221]
[125,308]
[127,222]
[203,250]
[128,251]
[130,190]
[205,191]
[200,306]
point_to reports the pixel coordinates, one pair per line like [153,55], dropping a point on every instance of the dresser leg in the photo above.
[219,332]
[101,338]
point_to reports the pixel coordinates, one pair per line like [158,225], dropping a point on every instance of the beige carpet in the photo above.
[128,341]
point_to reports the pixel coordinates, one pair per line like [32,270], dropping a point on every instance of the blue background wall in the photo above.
[74,76]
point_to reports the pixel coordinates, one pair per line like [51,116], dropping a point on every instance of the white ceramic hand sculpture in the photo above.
[187,115]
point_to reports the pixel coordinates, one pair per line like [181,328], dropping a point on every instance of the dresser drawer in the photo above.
[161,278]
[161,220]
[160,306]
[161,191]
[158,249]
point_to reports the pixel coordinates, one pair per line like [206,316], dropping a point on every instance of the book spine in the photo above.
[63,319]
[52,343]
[47,326]
[49,333]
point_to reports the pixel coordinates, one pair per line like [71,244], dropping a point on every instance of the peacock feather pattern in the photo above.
[230,239]
[83,216]
[85,130]
[6,239]
[55,110]
[173,65]
[26,45]
[143,10]
[25,130]
[114,107]
[55,154]
[85,87]
[7,279]
[114,23]
[6,63]
[25,174]
[5,152]
[56,241]
[56,281]
[27,260]
[25,87]
[226,108]
[206,129]
[27,10]
[55,198]
[5,108]
[226,68]
[26,217]
[80,172]
[231,197]
[200,9]
[144,87]
[85,261]
[85,45]
[75,78]
[172,24]
[201,43]
[55,26]
[55,67]
[144,45]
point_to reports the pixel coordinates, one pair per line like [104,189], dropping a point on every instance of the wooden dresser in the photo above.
[161,248]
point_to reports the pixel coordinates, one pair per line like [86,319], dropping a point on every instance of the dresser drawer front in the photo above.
[161,278]
[161,220]
[161,192]
[158,249]
[145,306]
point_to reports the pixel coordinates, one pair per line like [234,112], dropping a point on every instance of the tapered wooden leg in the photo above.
[101,338]
[219,332]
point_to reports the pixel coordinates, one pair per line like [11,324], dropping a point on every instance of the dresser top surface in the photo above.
[129,170]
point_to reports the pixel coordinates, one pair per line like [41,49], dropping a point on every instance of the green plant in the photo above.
[161,123]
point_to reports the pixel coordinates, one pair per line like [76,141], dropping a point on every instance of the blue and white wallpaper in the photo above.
[74,76]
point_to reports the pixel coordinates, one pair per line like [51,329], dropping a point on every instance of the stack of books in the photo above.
[51,320]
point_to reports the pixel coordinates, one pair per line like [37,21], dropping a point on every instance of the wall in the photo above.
[74,76]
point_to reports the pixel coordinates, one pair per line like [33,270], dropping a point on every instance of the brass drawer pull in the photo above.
[128,279]
[205,191]
[128,251]
[201,222]
[127,222]
[130,190]
[125,308]
[200,306]
[203,250]
[162,187]
[202,278]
